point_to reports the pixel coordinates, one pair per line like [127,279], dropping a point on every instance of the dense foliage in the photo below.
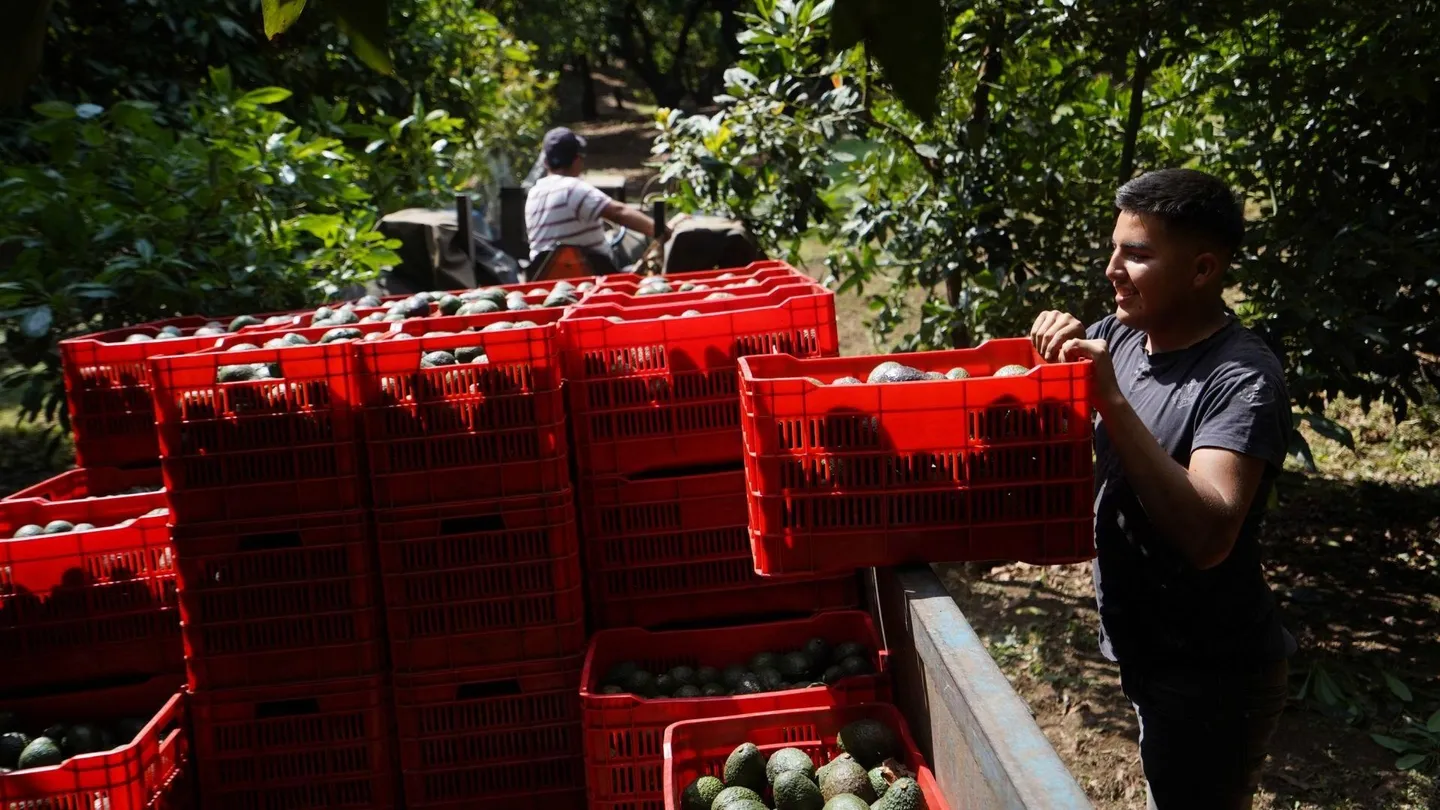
[143,181]
[1000,206]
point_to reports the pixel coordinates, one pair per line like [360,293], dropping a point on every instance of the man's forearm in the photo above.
[622,214]
[1186,511]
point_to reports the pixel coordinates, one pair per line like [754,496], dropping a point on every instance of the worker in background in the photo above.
[562,209]
[1193,427]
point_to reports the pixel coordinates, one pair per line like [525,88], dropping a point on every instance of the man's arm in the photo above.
[622,214]
[1200,509]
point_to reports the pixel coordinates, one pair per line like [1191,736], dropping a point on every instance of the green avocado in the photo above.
[764,660]
[437,359]
[701,793]
[619,673]
[878,782]
[934,375]
[856,665]
[796,666]
[341,333]
[29,530]
[139,338]
[847,381]
[893,372]
[745,768]
[12,745]
[847,801]
[904,794]
[957,373]
[1012,370]
[870,742]
[243,321]
[789,759]
[795,791]
[59,527]
[367,301]
[845,776]
[42,752]
[467,354]
[82,739]
[449,305]
[240,373]
[732,797]
[479,307]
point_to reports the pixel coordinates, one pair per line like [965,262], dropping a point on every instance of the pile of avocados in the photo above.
[659,285]
[20,751]
[866,775]
[65,526]
[815,664]
[893,372]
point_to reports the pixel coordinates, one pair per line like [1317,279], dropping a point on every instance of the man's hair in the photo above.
[1189,201]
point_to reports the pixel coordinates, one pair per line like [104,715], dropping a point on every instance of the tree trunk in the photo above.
[589,107]
[1137,112]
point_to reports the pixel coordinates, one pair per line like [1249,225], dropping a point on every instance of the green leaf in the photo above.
[280,15]
[364,21]
[37,322]
[59,110]
[1398,687]
[1410,761]
[1330,429]
[220,77]
[1300,452]
[266,95]
[1397,745]
[322,226]
[821,11]
[1433,724]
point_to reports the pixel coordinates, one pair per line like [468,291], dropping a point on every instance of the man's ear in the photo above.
[1209,266]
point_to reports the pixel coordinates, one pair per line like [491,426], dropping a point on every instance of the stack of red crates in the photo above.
[82,609]
[655,409]
[479,561]
[279,593]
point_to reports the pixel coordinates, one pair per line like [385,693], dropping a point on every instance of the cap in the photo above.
[561,147]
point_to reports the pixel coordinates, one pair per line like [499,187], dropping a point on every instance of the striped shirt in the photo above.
[564,210]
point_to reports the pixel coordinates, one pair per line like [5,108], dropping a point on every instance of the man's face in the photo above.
[1152,270]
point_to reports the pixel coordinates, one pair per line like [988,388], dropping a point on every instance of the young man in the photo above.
[1193,426]
[562,209]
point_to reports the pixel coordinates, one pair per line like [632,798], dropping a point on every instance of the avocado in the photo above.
[845,776]
[848,649]
[957,373]
[12,744]
[484,294]
[169,332]
[685,676]
[342,317]
[713,690]
[832,674]
[84,527]
[870,742]
[128,729]
[82,739]
[374,317]
[498,326]
[687,286]
[29,530]
[59,527]
[893,372]
[732,675]
[40,753]
[847,801]
[393,316]
[878,782]
[795,791]
[641,683]
[705,675]
[449,304]
[138,338]
[732,798]
[525,324]
[243,347]
[934,375]
[846,381]
[478,307]
[416,306]
[688,692]
[855,665]
[701,793]
[621,672]
[1012,370]
[771,680]
[690,313]
[341,333]
[717,296]
[515,303]
[819,651]
[437,359]
[230,374]
[789,759]
[764,660]
[209,331]
[611,689]
[796,666]
[367,301]
[560,299]
[904,794]
[243,321]
[276,343]
[745,767]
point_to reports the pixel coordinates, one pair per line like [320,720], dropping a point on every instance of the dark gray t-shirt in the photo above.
[1227,391]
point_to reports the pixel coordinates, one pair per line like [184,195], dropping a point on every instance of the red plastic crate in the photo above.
[670,551]
[279,601]
[624,758]
[754,268]
[696,748]
[466,431]
[315,745]
[844,477]
[506,736]
[133,776]
[762,283]
[649,394]
[88,605]
[481,583]
[107,389]
[95,482]
[260,448]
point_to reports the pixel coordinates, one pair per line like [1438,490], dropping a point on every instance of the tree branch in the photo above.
[1137,111]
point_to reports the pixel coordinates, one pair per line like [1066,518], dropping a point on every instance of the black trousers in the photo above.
[1204,735]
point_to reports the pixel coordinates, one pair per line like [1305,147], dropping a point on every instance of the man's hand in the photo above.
[1051,330]
[1105,393]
